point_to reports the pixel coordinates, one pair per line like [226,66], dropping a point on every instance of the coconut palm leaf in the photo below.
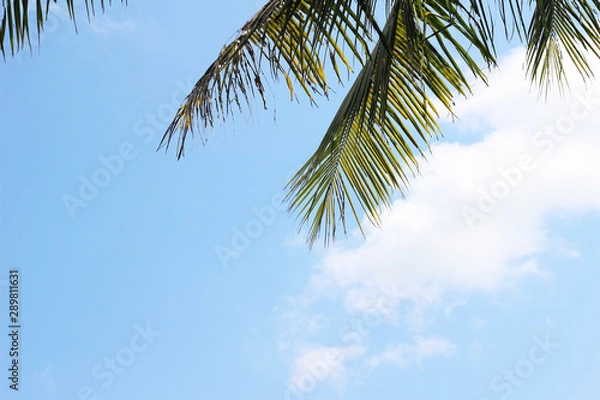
[560,27]
[293,39]
[15,28]
[384,124]
[558,31]
[424,56]
[416,57]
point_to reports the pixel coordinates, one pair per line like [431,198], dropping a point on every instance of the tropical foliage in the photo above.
[17,14]
[411,67]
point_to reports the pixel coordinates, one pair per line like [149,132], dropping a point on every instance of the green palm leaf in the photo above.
[558,27]
[385,122]
[15,27]
[425,55]
[294,38]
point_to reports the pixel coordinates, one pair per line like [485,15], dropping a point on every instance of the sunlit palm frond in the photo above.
[386,120]
[293,38]
[559,28]
[16,16]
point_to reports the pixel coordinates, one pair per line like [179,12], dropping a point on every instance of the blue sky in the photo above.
[186,279]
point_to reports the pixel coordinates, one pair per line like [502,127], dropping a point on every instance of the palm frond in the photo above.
[512,15]
[294,38]
[15,28]
[388,117]
[560,27]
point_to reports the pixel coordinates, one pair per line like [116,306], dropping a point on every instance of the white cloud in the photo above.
[454,305]
[294,322]
[99,23]
[479,322]
[321,364]
[475,220]
[104,25]
[406,354]
[54,8]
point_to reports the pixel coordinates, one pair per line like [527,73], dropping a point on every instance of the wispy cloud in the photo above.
[415,353]
[479,322]
[529,161]
[104,25]
[475,222]
[294,322]
[316,364]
